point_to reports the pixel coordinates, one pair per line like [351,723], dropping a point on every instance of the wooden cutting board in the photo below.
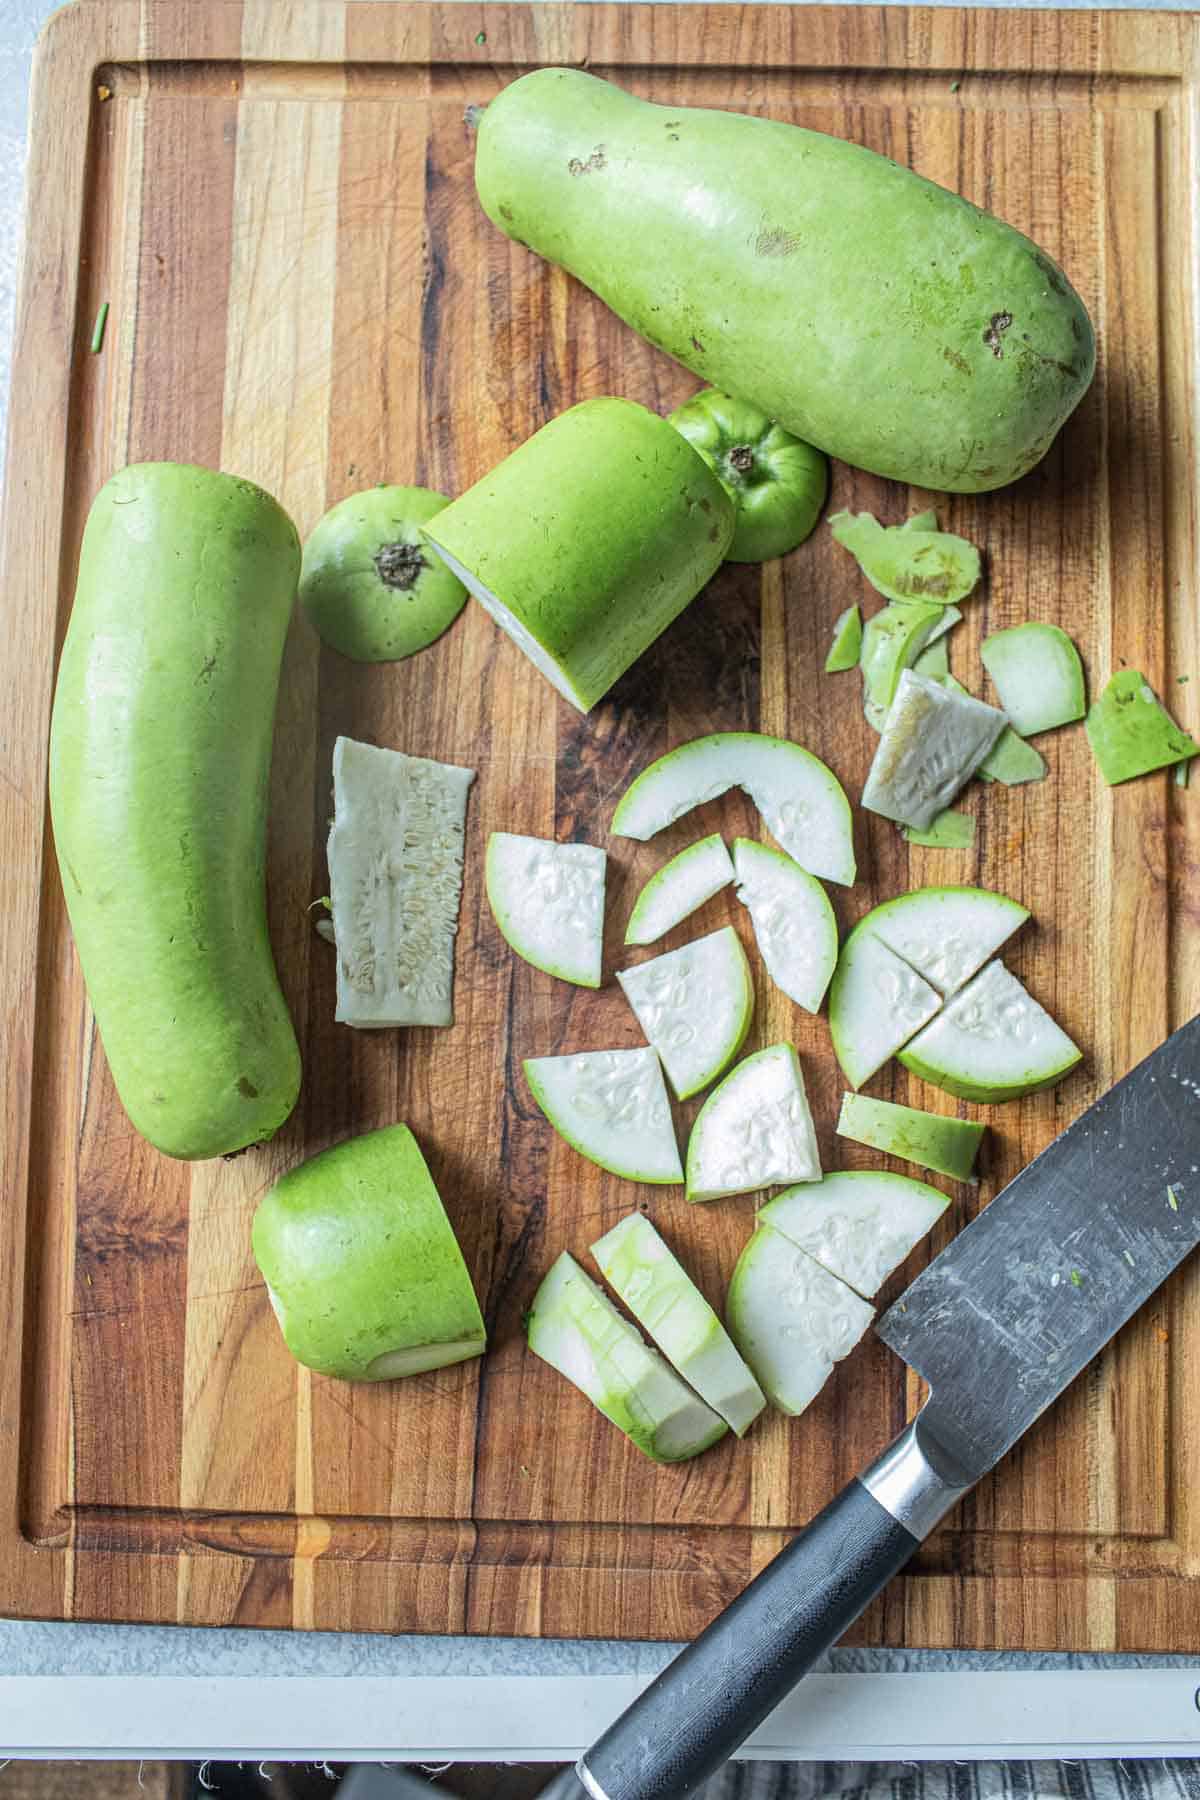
[276,200]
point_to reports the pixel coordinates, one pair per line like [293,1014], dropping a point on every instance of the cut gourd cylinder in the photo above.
[575,1327]
[588,540]
[664,1300]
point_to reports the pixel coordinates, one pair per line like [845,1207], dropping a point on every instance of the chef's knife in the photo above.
[999,1325]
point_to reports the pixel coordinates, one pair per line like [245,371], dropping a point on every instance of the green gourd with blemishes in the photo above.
[872,313]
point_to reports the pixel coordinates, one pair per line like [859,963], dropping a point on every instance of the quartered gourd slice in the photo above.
[611,1106]
[933,741]
[791,1319]
[927,1139]
[992,1042]
[876,1003]
[755,1130]
[946,933]
[667,1304]
[859,1224]
[803,804]
[395,880]
[794,924]
[679,889]
[548,901]
[694,1005]
[575,1327]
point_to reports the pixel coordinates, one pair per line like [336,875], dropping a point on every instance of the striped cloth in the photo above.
[1169,1779]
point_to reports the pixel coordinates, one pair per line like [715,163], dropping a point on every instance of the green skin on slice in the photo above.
[755,1130]
[160,761]
[611,1106]
[663,1299]
[876,1003]
[369,581]
[945,933]
[992,1042]
[1131,733]
[548,901]
[695,1005]
[904,562]
[588,540]
[802,803]
[860,1224]
[933,740]
[927,1139]
[794,924]
[362,1266]
[791,1319]
[679,889]
[574,1326]
[1038,676]
[846,648]
[949,831]
[755,253]
[777,482]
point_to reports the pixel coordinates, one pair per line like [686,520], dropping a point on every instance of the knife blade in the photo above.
[999,1325]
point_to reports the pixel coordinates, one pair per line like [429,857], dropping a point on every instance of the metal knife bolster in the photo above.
[915,1480]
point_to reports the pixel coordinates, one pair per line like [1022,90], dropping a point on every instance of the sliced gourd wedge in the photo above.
[949,831]
[395,880]
[791,1319]
[694,1005]
[860,1224]
[908,562]
[1038,676]
[658,1291]
[992,1042]
[846,647]
[611,1106]
[548,901]
[679,888]
[927,1139]
[946,933]
[802,802]
[1131,733]
[876,1003]
[933,741]
[755,1130]
[794,924]
[575,1327]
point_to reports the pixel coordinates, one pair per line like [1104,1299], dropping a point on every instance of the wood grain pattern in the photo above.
[277,202]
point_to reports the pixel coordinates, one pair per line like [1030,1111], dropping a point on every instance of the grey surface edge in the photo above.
[55,1648]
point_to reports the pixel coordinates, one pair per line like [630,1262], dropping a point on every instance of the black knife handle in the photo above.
[716,1692]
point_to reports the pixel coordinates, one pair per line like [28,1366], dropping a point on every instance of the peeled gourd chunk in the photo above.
[992,1042]
[933,741]
[791,1319]
[575,1327]
[859,1224]
[668,1305]
[395,879]
[694,1005]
